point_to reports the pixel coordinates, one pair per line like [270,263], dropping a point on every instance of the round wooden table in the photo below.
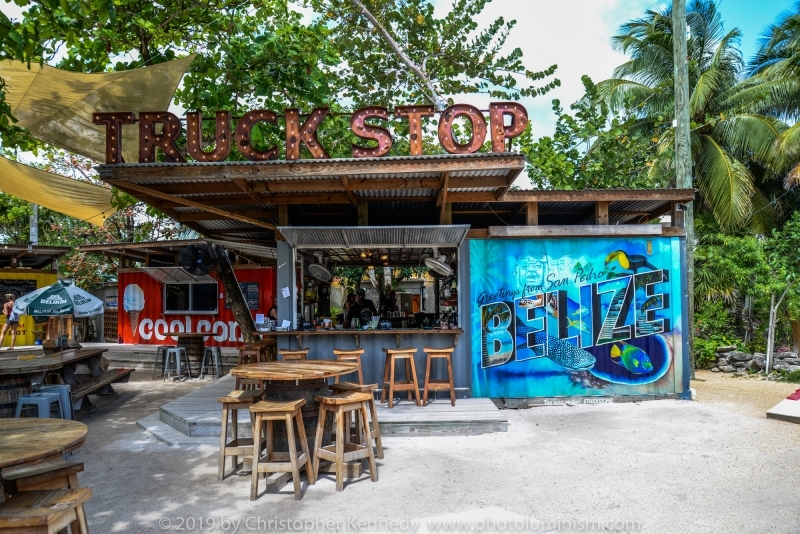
[293,380]
[31,440]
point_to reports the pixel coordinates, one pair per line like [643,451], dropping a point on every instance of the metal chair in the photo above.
[176,353]
[43,401]
[212,358]
[66,398]
[161,359]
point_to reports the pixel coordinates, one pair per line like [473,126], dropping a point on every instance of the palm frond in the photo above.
[725,183]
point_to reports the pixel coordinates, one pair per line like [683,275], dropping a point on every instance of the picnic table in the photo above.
[17,374]
[31,440]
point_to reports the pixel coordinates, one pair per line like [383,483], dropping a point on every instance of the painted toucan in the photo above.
[634,262]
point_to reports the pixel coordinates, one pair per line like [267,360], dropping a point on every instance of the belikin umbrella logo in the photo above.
[53,299]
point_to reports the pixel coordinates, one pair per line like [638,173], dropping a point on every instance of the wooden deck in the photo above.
[198,414]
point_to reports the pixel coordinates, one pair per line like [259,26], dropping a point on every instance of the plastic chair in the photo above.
[43,401]
[161,359]
[66,398]
[212,355]
[176,354]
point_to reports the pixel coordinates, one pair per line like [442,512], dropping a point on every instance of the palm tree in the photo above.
[731,145]
[773,86]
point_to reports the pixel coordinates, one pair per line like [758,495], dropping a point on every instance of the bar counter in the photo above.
[323,342]
[397,332]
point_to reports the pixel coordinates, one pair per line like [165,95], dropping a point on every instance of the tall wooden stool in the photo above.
[375,430]
[52,475]
[409,384]
[439,385]
[341,452]
[247,356]
[266,412]
[45,511]
[233,402]
[353,355]
[289,355]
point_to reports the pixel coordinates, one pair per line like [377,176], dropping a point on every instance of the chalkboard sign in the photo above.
[16,287]
[251,295]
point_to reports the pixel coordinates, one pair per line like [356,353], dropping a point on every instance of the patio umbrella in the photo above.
[62,298]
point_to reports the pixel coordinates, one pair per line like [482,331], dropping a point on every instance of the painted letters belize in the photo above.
[573,317]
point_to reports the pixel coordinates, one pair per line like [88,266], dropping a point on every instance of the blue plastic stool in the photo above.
[66,398]
[161,359]
[176,354]
[43,400]
[213,356]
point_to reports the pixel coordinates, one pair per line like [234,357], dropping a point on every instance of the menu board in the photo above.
[17,287]
[251,295]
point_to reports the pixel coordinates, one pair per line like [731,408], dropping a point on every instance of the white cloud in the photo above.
[573,34]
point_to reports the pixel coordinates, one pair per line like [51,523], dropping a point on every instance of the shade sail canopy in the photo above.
[57,105]
[81,200]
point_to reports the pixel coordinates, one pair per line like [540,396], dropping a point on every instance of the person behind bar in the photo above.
[388,303]
[12,320]
[362,309]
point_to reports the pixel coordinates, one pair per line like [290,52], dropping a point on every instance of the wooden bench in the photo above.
[101,381]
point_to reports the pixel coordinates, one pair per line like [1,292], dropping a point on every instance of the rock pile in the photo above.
[730,360]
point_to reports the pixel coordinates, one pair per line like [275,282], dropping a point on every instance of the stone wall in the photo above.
[730,360]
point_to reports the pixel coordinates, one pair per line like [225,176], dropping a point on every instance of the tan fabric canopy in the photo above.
[57,105]
[77,199]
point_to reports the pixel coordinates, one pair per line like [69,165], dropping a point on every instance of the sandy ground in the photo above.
[715,465]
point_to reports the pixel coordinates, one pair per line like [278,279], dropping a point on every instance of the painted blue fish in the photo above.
[580,325]
[631,358]
[559,351]
[581,311]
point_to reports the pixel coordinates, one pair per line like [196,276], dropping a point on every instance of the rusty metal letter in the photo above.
[415,115]
[113,122]
[501,132]
[149,140]
[243,128]
[369,131]
[446,138]
[194,137]
[307,133]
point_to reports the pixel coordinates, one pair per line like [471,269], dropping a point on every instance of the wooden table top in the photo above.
[189,334]
[294,370]
[31,440]
[48,362]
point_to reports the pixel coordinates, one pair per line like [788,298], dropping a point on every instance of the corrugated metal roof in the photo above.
[176,275]
[374,236]
[392,193]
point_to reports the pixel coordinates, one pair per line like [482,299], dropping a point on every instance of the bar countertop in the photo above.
[397,332]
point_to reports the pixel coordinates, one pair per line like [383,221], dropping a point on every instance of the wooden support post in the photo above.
[363,212]
[601,212]
[236,299]
[446,215]
[532,214]
[283,219]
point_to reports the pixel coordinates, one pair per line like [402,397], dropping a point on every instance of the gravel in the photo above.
[715,465]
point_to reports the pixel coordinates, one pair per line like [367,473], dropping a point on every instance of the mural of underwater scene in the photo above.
[575,317]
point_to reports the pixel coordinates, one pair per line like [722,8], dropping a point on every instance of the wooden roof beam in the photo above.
[205,216]
[192,204]
[242,184]
[346,185]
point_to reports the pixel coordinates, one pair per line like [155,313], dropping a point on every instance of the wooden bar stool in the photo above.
[375,430]
[341,452]
[353,355]
[409,384]
[233,402]
[248,356]
[266,412]
[439,385]
[52,475]
[289,355]
[45,511]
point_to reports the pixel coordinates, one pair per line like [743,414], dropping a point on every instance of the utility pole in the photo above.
[34,225]
[683,154]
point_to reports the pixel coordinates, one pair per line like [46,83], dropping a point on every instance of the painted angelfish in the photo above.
[631,358]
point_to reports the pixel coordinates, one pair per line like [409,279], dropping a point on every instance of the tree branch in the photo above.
[437,99]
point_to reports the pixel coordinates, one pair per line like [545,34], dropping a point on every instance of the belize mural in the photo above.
[575,317]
